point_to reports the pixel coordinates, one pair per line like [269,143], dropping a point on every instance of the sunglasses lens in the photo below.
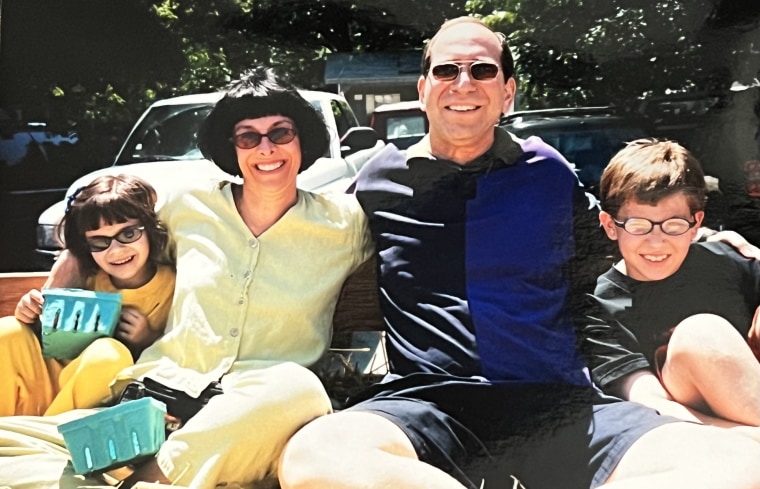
[98,243]
[126,236]
[445,72]
[281,135]
[129,235]
[247,140]
[484,71]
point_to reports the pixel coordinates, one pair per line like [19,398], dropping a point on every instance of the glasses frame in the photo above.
[288,135]
[469,66]
[139,230]
[652,224]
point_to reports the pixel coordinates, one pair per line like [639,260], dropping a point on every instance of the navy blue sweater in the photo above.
[474,261]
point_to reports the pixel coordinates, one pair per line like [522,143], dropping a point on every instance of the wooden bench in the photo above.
[357,350]
[14,285]
[357,308]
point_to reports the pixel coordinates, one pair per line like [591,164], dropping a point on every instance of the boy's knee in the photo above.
[701,333]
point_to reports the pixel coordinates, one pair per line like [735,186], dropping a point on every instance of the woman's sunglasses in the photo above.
[251,139]
[125,236]
[479,70]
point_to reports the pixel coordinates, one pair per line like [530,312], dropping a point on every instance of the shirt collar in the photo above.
[505,151]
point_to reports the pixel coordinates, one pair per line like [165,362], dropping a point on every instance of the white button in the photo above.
[234,332]
[253,243]
[241,300]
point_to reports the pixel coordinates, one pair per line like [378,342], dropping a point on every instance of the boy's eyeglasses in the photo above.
[675,226]
[251,139]
[127,235]
[479,70]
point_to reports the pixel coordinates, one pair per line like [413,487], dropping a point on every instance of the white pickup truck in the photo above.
[162,149]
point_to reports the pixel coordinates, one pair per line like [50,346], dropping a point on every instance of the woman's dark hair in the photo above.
[260,93]
[111,199]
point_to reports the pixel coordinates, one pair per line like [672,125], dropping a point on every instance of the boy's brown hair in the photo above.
[647,171]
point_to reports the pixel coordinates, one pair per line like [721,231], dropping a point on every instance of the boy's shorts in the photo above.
[545,436]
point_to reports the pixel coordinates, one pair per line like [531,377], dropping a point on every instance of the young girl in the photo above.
[112,229]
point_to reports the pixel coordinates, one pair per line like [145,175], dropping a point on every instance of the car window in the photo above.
[405,125]
[344,117]
[167,132]
[589,148]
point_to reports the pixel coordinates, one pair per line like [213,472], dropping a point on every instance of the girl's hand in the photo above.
[133,329]
[29,307]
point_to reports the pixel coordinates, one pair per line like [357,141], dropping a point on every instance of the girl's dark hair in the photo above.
[111,199]
[260,93]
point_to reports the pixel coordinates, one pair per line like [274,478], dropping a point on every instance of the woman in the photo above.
[260,265]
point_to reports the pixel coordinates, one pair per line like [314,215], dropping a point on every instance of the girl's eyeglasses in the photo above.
[479,70]
[675,226]
[125,236]
[251,139]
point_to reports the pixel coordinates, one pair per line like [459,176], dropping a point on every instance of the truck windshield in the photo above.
[167,132]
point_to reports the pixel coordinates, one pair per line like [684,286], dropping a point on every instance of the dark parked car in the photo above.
[401,123]
[37,164]
[587,136]
[723,130]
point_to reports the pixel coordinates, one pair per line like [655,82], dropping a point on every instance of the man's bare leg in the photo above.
[689,456]
[356,449]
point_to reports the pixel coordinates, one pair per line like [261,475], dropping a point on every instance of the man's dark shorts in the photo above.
[547,436]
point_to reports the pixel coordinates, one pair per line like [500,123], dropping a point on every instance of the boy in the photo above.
[670,323]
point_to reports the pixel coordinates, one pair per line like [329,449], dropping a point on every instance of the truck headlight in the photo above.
[48,237]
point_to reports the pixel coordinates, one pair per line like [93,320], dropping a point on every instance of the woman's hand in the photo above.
[134,331]
[737,241]
[29,307]
[66,272]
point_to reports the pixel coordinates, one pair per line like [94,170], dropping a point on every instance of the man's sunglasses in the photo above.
[125,236]
[250,139]
[479,70]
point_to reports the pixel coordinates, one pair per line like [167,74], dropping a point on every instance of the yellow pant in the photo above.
[33,385]
[238,437]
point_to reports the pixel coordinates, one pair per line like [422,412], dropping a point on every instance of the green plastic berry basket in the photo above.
[116,436]
[73,318]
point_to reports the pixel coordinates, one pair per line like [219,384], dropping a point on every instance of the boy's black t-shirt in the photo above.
[629,319]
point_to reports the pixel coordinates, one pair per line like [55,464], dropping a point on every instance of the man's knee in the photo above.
[307,454]
[694,452]
[332,445]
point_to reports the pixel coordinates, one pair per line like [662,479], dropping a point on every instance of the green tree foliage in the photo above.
[601,51]
[100,62]
[294,35]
